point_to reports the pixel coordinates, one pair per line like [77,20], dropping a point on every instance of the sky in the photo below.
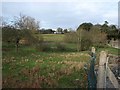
[63,13]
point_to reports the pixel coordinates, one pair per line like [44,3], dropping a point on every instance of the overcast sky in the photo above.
[63,13]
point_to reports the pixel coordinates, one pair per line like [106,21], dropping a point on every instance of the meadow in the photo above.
[53,37]
[59,38]
[30,68]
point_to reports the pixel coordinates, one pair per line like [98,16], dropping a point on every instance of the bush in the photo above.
[42,47]
[10,34]
[60,47]
[85,44]
[100,45]
[70,37]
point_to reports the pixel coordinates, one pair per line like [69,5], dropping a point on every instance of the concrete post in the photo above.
[101,72]
[93,50]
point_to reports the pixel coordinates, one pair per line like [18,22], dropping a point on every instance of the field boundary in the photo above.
[104,72]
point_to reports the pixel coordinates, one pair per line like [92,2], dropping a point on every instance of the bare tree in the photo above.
[28,25]
[26,22]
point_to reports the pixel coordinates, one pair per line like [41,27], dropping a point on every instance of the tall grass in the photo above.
[31,68]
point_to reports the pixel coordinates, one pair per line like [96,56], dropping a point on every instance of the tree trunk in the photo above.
[17,44]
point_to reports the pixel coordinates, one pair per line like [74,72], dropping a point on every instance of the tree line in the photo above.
[51,31]
[86,35]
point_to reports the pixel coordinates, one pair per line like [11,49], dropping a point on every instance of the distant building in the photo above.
[56,32]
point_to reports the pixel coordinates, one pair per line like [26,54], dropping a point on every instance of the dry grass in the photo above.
[44,70]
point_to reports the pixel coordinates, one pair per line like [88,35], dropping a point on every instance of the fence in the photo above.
[91,74]
[104,72]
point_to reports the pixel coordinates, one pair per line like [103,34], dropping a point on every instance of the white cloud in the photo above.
[0,9]
[65,14]
[111,16]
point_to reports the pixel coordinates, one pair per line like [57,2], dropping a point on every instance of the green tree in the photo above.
[85,26]
[28,26]
[86,39]
[11,35]
[23,27]
[113,27]
[105,28]
[113,33]
[65,31]
[60,30]
[97,37]
[83,40]
[83,35]
[106,22]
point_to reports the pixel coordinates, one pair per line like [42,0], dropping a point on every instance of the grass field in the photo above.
[60,38]
[53,37]
[110,50]
[29,68]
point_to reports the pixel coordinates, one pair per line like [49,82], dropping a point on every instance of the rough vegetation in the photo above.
[34,60]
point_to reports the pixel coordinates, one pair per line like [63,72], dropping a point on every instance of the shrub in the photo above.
[60,47]
[85,44]
[100,45]
[70,37]
[42,47]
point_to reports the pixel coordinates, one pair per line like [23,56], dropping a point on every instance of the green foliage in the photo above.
[65,31]
[88,38]
[85,26]
[113,33]
[10,34]
[97,37]
[110,50]
[46,31]
[29,36]
[100,45]
[105,28]
[34,69]
[42,47]
[60,47]
[85,44]
[60,30]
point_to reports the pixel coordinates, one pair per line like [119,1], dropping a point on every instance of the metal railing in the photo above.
[91,76]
